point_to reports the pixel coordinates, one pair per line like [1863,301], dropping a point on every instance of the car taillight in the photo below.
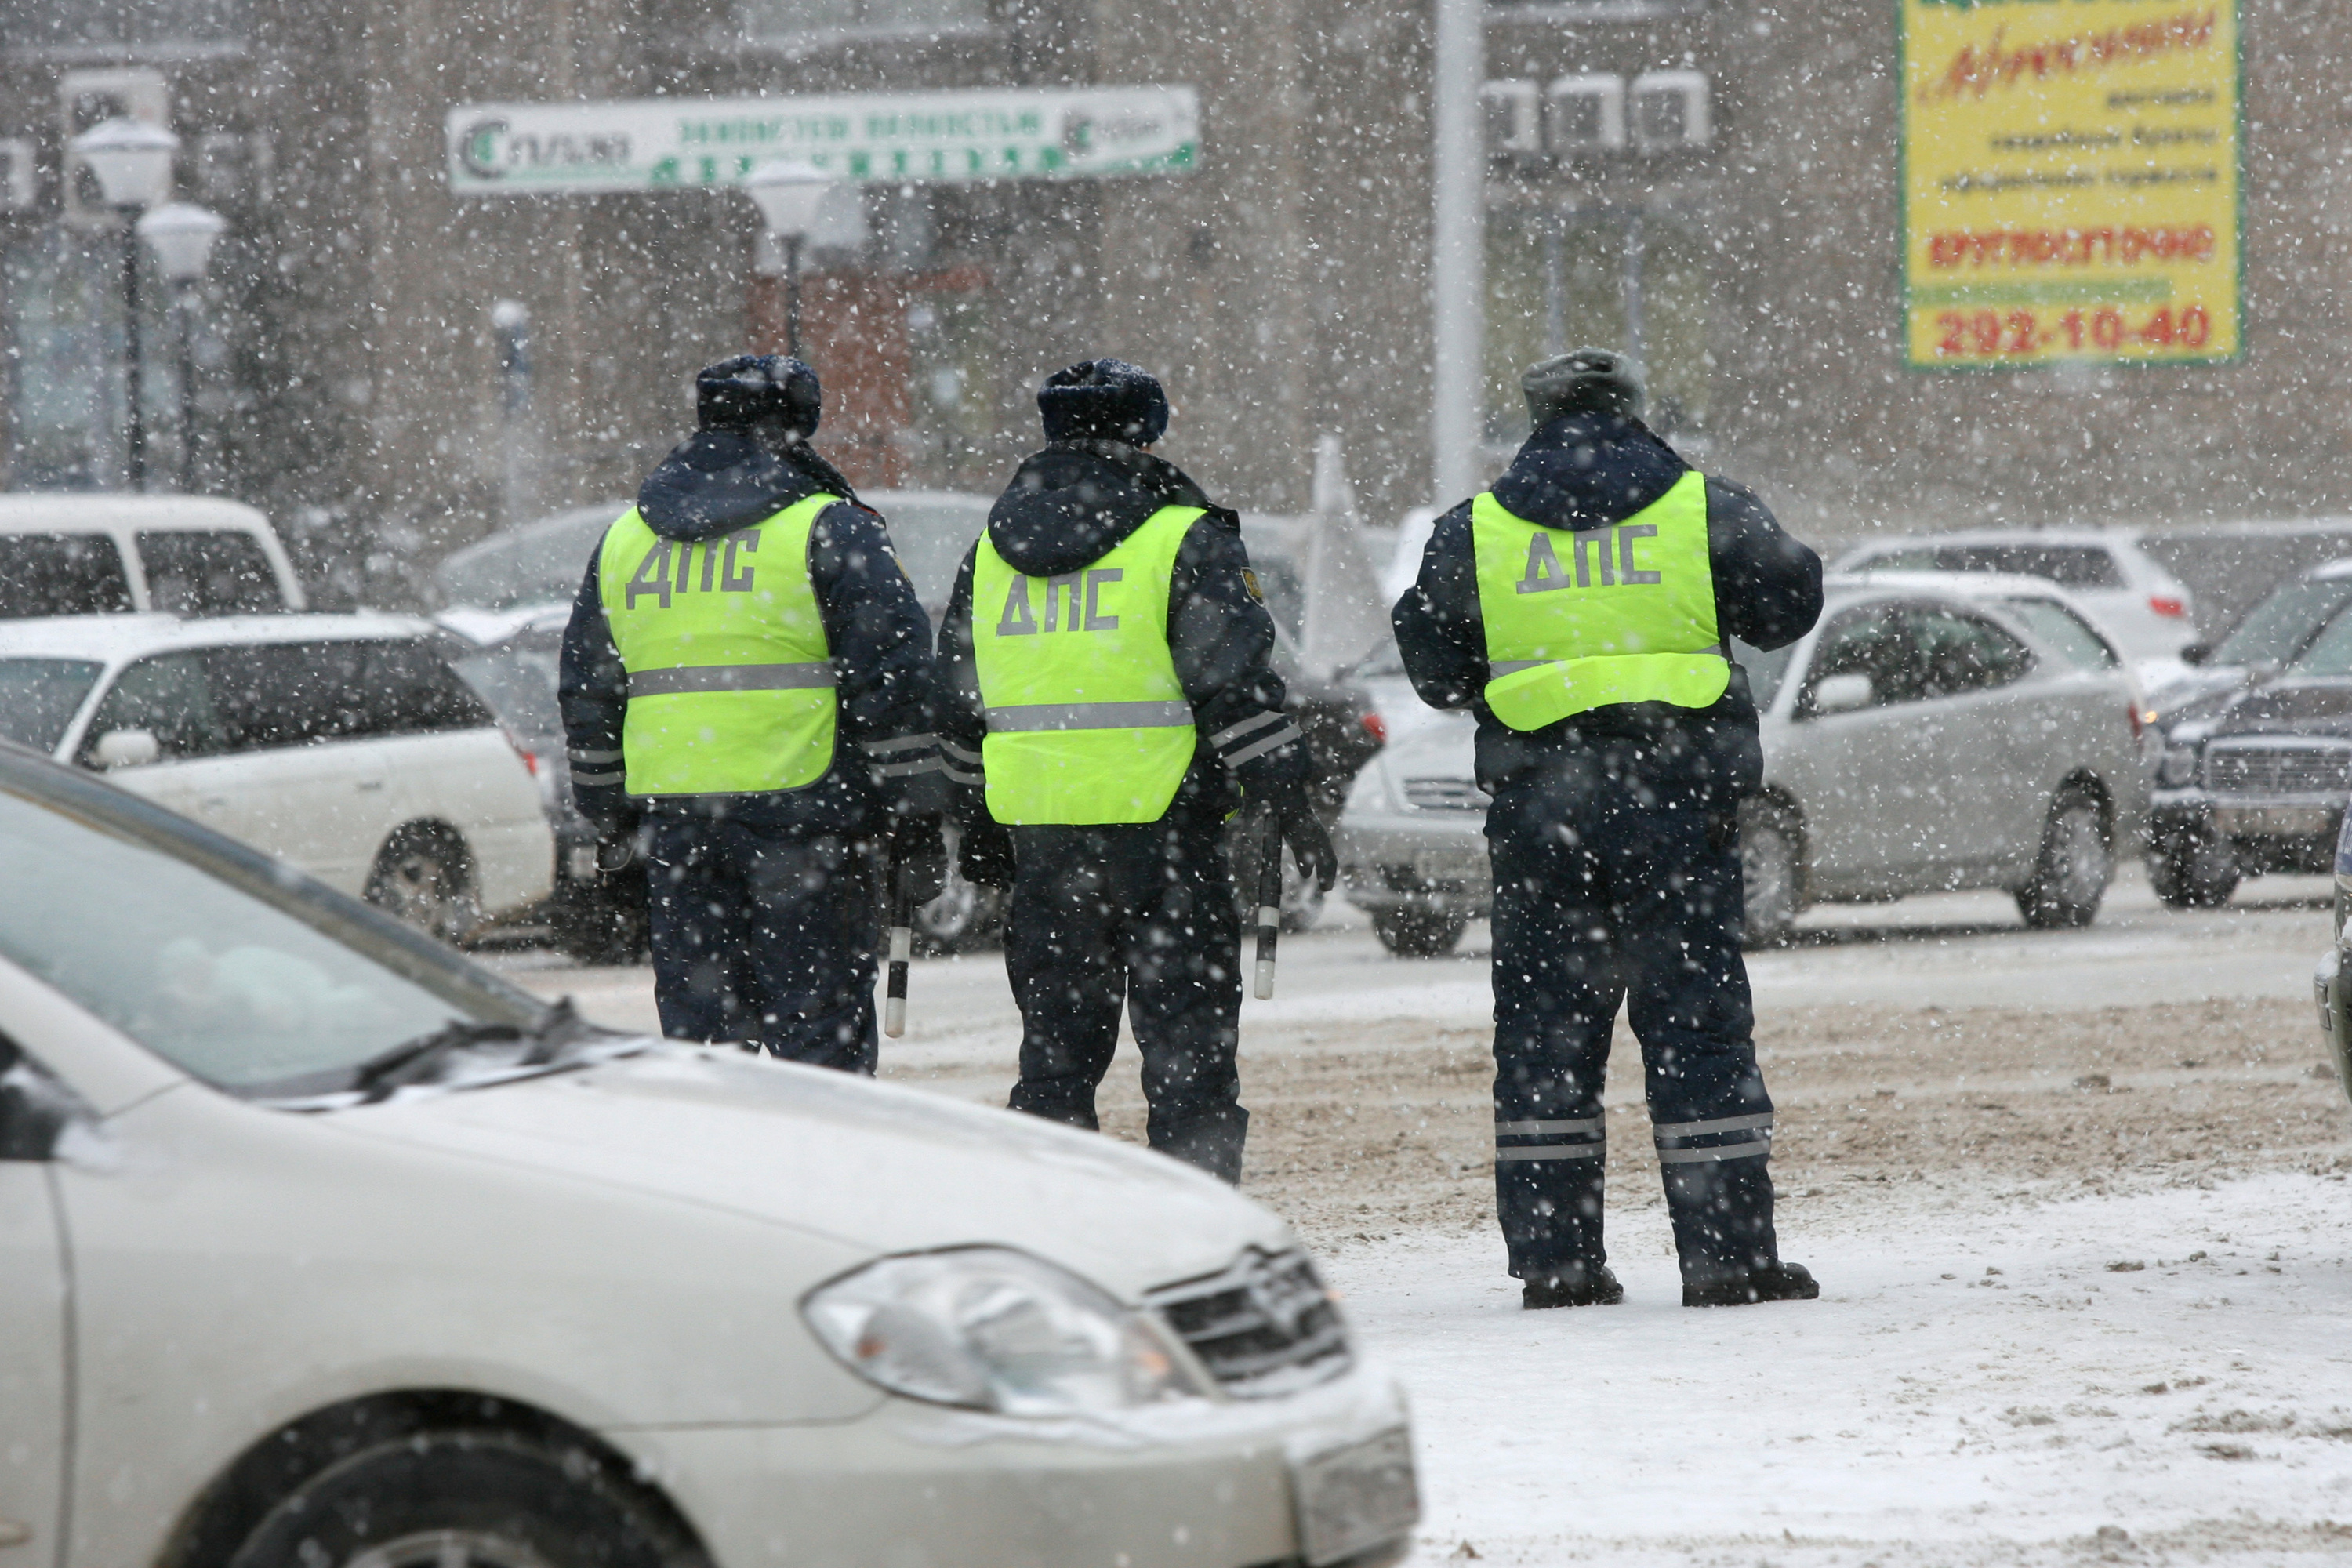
[2166,604]
[2137,718]
[1376,727]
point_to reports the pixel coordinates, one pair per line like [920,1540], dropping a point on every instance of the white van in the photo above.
[344,745]
[70,555]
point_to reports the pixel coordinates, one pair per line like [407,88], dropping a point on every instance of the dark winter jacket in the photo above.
[1584,471]
[1065,509]
[885,760]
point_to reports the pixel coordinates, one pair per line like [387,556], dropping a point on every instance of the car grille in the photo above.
[1264,1326]
[1445,795]
[2258,768]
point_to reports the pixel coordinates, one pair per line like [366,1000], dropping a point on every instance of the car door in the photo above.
[1986,723]
[33,1307]
[169,696]
[1869,806]
[314,784]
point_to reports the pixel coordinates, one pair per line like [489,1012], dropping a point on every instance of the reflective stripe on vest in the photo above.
[730,679]
[1086,720]
[1579,621]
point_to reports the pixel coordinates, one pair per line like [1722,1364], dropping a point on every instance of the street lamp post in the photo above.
[790,192]
[131,160]
[181,233]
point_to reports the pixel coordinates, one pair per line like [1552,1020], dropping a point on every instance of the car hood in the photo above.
[871,1165]
[2317,707]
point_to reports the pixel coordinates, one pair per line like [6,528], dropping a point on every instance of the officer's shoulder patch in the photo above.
[1249,581]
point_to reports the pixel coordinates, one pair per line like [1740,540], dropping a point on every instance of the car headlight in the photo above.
[2178,768]
[987,1328]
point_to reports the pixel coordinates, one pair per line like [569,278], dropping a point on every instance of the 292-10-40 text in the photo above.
[2006,334]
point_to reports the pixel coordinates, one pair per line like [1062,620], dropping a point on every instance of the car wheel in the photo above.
[2076,862]
[465,1500]
[422,876]
[604,921]
[2194,871]
[963,917]
[1771,876]
[1419,933]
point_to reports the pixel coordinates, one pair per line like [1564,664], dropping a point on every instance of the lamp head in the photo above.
[181,233]
[131,159]
[788,193]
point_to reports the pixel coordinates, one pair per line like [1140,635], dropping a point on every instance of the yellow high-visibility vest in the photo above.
[1579,621]
[730,679]
[1086,720]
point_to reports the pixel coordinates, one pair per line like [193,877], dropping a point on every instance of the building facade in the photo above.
[1713,182]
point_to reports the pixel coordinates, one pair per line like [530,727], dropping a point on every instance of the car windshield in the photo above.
[1765,670]
[2329,653]
[2275,628]
[238,972]
[40,697]
[931,538]
[2064,630]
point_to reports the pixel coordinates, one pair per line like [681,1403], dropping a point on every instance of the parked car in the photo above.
[2148,611]
[68,555]
[345,746]
[2272,632]
[2258,785]
[1928,734]
[2333,979]
[423,1271]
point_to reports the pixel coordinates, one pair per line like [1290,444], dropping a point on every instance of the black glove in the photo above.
[920,854]
[616,847]
[1303,832]
[985,858]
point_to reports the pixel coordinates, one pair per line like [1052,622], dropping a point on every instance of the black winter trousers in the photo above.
[1609,888]
[1144,915]
[764,938]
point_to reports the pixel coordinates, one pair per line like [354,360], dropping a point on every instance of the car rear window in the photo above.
[209,573]
[40,697]
[61,575]
[2065,630]
[518,683]
[2068,565]
[292,694]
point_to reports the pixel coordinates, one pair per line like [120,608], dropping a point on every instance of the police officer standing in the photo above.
[1108,699]
[1581,609]
[746,691]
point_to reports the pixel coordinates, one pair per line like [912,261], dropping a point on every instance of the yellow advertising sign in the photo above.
[2070,181]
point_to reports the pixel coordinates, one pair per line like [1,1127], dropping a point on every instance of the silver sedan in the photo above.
[1934,731]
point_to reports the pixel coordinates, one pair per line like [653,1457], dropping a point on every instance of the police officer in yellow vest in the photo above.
[746,691]
[1581,609]
[1106,697]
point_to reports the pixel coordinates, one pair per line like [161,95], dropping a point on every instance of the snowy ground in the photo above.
[1957,1096]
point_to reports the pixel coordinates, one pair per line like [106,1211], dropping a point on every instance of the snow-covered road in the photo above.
[1991,1384]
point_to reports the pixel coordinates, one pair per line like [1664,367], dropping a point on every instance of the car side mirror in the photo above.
[1842,693]
[33,1109]
[126,749]
[2197,653]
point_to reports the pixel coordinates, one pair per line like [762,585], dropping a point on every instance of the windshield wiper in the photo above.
[415,1061]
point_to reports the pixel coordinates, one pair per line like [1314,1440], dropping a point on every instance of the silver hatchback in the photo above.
[1932,733]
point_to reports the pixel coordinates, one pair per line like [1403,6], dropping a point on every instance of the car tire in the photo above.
[479,1499]
[604,922]
[422,875]
[2076,862]
[1772,874]
[2194,871]
[1419,933]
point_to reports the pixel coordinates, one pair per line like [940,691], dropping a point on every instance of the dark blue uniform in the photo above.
[765,908]
[1613,837]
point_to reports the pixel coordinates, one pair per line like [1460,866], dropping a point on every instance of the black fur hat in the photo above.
[1105,399]
[751,389]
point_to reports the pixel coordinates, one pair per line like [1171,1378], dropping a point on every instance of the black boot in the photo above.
[1771,1282]
[1572,1285]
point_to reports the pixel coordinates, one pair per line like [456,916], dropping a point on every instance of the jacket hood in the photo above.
[716,481]
[881,1168]
[1070,504]
[1588,470]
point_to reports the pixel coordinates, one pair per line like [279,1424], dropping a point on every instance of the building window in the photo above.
[116,28]
[786,20]
[1626,277]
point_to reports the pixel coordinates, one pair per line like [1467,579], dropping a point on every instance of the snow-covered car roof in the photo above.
[116,639]
[2115,535]
[44,512]
[1956,585]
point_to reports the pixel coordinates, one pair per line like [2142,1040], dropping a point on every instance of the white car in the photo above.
[75,554]
[1934,731]
[2148,611]
[343,744]
[321,1247]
